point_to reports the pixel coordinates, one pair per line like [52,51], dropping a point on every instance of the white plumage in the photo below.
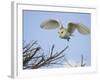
[65,33]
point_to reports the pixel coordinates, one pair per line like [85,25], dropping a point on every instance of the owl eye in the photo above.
[62,32]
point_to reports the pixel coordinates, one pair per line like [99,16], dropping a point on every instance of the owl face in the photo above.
[63,33]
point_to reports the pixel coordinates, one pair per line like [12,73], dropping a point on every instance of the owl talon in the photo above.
[68,38]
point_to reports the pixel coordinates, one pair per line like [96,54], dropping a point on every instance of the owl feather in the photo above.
[50,24]
[65,33]
[78,26]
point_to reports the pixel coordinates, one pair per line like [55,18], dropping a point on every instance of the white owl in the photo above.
[65,33]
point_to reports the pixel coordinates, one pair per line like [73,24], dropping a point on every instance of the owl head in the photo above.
[63,32]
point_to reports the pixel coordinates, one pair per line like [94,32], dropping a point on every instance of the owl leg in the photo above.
[68,38]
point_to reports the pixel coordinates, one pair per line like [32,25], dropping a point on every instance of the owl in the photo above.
[65,33]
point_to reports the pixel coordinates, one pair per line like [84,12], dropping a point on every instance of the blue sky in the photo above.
[79,44]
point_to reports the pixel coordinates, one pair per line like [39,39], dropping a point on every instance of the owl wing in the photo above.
[80,27]
[50,24]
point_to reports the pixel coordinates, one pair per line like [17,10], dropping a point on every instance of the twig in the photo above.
[40,60]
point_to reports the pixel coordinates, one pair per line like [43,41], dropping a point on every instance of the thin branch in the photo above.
[52,50]
[82,63]
[40,60]
[57,54]
[29,46]
[28,59]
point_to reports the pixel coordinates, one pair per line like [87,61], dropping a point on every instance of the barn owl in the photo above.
[65,33]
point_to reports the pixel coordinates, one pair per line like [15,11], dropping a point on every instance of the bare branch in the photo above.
[82,63]
[29,58]
[39,60]
[27,47]
[52,50]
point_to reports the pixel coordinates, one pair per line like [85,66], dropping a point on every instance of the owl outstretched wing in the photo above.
[50,24]
[80,27]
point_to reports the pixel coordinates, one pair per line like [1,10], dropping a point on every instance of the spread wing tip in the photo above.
[50,24]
